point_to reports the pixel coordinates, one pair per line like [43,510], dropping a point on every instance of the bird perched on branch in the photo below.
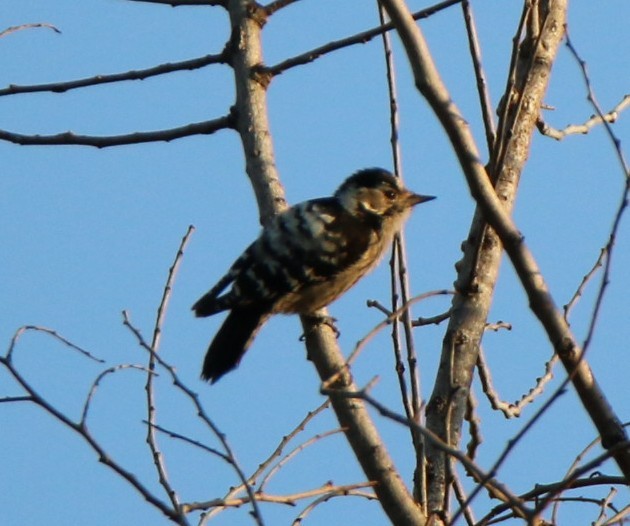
[305,258]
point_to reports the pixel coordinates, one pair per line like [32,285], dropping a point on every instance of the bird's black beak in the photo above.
[415,199]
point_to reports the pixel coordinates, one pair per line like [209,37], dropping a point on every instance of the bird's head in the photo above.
[376,192]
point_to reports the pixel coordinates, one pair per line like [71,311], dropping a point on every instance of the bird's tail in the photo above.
[232,340]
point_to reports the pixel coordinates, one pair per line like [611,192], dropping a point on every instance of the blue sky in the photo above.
[88,233]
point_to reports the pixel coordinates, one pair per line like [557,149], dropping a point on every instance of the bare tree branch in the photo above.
[50,332]
[512,409]
[201,414]
[328,490]
[400,284]
[70,138]
[325,498]
[359,38]
[276,5]
[586,127]
[589,275]
[321,343]
[178,3]
[485,479]
[137,74]
[543,489]
[496,211]
[158,458]
[21,27]
[81,429]
[482,84]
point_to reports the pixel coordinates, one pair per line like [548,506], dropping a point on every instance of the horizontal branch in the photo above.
[291,499]
[13,29]
[178,3]
[574,129]
[359,38]
[139,74]
[272,7]
[70,138]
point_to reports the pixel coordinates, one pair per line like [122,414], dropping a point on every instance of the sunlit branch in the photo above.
[394,316]
[264,465]
[290,499]
[485,479]
[584,128]
[541,302]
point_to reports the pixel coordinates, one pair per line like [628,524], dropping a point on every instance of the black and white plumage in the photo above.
[305,258]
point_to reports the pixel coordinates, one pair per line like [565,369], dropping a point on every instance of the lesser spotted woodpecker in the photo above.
[305,258]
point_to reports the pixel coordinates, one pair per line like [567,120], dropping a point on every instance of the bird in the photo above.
[304,259]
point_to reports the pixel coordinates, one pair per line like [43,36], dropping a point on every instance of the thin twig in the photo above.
[50,332]
[70,138]
[262,467]
[542,503]
[295,451]
[286,439]
[580,290]
[399,276]
[84,433]
[151,438]
[460,495]
[605,503]
[583,129]
[290,499]
[623,202]
[359,38]
[178,3]
[200,412]
[276,5]
[485,479]
[432,320]
[474,425]
[191,441]
[542,489]
[497,326]
[97,382]
[21,27]
[139,74]
[336,492]
[512,409]
[480,75]
[379,327]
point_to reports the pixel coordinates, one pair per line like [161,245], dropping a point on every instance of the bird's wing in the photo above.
[311,242]
[306,244]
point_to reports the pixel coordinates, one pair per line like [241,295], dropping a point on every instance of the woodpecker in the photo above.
[304,259]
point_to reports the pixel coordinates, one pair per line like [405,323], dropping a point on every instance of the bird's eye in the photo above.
[390,194]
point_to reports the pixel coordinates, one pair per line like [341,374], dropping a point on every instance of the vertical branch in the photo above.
[252,122]
[478,270]
[400,282]
[482,85]
[158,459]
[247,19]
